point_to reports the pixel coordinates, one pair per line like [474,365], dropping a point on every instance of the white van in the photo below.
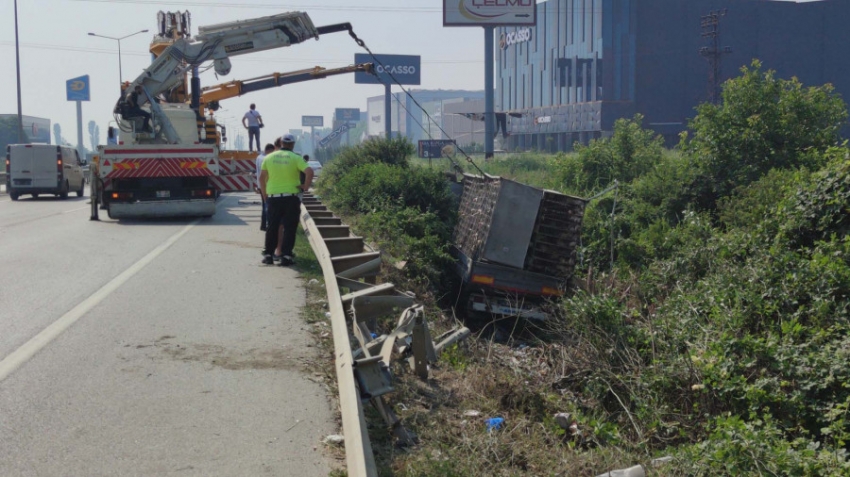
[43,169]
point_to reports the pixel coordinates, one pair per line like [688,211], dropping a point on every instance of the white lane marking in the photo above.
[23,354]
[74,210]
[38,342]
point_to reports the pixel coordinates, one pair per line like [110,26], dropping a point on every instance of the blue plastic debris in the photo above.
[374,335]
[494,423]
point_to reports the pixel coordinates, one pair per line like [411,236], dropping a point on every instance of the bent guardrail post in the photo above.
[363,374]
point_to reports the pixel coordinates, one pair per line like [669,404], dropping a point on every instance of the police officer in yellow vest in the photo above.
[280,183]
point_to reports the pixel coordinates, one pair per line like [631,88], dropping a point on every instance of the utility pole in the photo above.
[710,25]
[18,69]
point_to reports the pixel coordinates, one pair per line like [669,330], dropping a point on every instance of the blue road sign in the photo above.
[405,68]
[78,89]
[347,114]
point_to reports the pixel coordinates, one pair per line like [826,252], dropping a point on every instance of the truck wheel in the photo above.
[63,194]
[108,211]
[82,188]
[13,195]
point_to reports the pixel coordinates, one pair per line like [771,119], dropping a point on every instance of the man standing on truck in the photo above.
[253,122]
[281,185]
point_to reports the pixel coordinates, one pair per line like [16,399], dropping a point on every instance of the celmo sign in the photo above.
[489,12]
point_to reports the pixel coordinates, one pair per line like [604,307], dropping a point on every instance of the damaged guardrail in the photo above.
[363,372]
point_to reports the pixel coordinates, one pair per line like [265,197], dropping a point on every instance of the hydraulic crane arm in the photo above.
[211,95]
[218,43]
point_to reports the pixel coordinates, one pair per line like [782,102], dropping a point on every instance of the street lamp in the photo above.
[120,75]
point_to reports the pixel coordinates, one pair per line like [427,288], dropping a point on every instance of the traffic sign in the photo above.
[347,114]
[406,69]
[313,121]
[78,89]
[436,148]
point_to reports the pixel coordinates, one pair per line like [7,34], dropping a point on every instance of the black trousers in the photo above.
[264,219]
[254,136]
[282,211]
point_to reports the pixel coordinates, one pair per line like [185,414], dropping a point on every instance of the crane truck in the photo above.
[171,170]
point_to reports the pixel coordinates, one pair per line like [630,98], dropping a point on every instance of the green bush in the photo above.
[629,153]
[821,210]
[419,238]
[369,187]
[409,211]
[758,446]
[386,151]
[763,123]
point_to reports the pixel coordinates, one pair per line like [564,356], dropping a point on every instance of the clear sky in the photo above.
[55,47]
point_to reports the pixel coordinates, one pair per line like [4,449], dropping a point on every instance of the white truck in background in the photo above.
[42,169]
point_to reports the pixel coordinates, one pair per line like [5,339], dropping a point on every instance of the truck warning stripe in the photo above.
[233,166]
[190,167]
[131,152]
[234,183]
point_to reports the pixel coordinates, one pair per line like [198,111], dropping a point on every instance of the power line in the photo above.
[392,76]
[44,46]
[360,8]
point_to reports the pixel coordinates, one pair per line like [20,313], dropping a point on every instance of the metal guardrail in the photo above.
[363,373]
[360,461]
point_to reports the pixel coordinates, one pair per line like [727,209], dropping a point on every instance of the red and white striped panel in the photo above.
[238,166]
[156,167]
[234,182]
[159,151]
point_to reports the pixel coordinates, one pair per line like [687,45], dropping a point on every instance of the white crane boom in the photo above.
[216,43]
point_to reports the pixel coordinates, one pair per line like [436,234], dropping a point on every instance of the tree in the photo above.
[763,123]
[94,135]
[57,133]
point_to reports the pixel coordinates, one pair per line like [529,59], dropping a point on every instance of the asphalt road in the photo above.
[151,348]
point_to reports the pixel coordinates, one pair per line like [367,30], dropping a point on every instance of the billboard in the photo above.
[489,12]
[77,89]
[406,69]
[36,130]
[312,121]
[436,148]
[347,114]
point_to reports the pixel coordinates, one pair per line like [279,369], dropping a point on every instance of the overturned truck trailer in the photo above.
[514,245]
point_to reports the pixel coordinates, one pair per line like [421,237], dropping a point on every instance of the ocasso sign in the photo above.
[397,69]
[512,38]
[389,69]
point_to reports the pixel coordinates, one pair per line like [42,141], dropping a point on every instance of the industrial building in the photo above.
[587,63]
[410,121]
